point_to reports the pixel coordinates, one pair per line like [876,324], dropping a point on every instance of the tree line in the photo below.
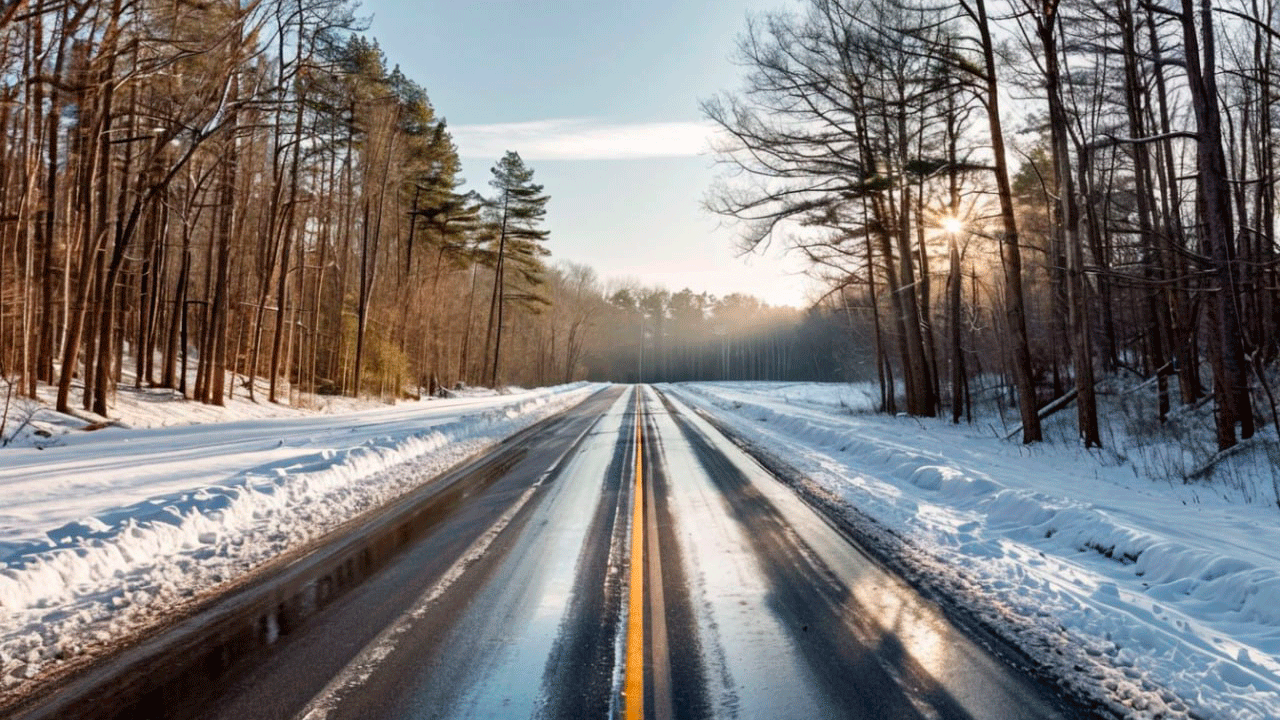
[649,334]
[224,191]
[233,190]
[244,189]
[1124,223]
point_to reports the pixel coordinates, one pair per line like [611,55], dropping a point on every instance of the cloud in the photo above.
[583,139]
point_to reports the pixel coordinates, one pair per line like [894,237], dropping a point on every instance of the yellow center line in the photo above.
[633,686]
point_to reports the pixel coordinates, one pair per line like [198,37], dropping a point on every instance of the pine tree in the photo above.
[518,210]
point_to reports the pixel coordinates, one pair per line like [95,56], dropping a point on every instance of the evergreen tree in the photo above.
[518,209]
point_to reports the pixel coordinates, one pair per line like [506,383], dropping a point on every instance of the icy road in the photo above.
[623,559]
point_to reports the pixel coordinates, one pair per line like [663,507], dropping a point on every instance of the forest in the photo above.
[1053,192]
[218,191]
[195,195]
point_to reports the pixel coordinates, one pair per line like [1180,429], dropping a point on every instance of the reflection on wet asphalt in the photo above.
[519,608]
[795,622]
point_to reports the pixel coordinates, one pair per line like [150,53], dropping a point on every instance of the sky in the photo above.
[601,99]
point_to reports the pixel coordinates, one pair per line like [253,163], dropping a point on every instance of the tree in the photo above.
[830,132]
[1068,226]
[578,304]
[1011,252]
[1231,382]
[518,208]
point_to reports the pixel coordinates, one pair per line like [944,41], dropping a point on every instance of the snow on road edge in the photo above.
[111,575]
[1148,623]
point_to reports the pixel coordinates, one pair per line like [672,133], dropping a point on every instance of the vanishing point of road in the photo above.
[624,559]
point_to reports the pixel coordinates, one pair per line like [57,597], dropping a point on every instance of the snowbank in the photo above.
[103,532]
[1157,600]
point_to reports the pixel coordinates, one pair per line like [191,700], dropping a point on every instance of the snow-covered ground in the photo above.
[103,532]
[1159,599]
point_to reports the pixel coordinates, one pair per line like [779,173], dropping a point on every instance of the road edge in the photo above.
[196,644]
[893,553]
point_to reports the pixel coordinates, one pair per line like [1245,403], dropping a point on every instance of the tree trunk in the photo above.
[1011,253]
[1231,388]
[217,314]
[496,303]
[1069,222]
[92,171]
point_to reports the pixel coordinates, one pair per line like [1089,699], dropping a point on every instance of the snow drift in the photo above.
[106,532]
[1158,600]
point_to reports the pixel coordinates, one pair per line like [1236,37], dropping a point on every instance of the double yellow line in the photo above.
[633,684]
[645,558]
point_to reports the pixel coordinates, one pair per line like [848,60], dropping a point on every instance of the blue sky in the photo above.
[601,99]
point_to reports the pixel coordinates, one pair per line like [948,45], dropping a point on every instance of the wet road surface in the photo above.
[626,560]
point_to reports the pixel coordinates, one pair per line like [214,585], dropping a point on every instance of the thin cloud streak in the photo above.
[583,139]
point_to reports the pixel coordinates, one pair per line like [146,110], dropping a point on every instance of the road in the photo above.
[622,560]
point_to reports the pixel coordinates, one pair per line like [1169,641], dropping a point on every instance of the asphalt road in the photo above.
[624,560]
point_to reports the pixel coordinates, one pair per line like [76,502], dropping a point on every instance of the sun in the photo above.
[952,224]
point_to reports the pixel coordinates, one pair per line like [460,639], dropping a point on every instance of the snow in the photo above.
[1156,599]
[103,533]
[766,680]
[527,609]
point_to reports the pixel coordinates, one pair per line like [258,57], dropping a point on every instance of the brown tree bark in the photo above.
[1011,252]
[1231,385]
[1069,222]
[92,221]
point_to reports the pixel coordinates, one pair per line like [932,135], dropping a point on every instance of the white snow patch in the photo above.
[1151,598]
[103,533]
